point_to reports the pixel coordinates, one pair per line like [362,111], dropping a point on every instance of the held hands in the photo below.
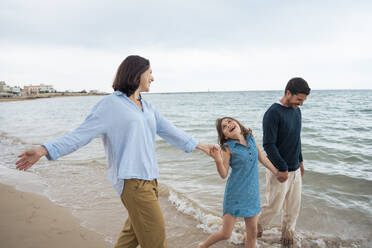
[30,157]
[215,153]
[206,148]
[282,176]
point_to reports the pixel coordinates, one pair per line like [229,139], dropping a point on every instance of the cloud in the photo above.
[192,45]
[176,24]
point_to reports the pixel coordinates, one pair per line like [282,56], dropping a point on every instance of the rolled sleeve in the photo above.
[92,127]
[52,151]
[173,135]
[191,145]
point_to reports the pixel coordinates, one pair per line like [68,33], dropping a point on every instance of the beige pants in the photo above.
[282,196]
[145,225]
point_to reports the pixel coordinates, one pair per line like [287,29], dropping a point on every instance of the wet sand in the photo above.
[31,220]
[182,231]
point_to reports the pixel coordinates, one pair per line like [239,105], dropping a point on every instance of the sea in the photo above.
[336,138]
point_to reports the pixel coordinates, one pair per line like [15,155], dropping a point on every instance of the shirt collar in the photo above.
[234,142]
[119,93]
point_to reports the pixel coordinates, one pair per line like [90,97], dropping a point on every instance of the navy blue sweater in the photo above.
[282,137]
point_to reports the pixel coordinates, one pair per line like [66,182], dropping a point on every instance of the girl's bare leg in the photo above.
[251,232]
[228,223]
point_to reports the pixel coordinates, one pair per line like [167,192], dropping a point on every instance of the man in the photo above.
[282,143]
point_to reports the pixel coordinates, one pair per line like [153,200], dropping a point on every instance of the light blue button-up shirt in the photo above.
[128,135]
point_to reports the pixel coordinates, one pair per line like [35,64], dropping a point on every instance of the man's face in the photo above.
[295,100]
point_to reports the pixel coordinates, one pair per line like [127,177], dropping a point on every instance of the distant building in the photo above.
[5,90]
[4,87]
[16,90]
[36,89]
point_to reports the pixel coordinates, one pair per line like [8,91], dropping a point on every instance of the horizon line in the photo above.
[220,91]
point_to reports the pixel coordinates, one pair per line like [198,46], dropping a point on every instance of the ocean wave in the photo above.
[337,180]
[210,222]
[101,162]
[5,137]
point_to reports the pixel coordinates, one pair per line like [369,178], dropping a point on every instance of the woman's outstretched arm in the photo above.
[177,137]
[30,157]
[93,126]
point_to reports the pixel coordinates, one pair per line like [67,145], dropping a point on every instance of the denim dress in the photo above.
[242,194]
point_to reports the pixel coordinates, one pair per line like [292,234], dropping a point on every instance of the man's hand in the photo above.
[30,157]
[302,168]
[282,176]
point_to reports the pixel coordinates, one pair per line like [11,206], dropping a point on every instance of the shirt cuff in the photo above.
[283,167]
[52,153]
[191,145]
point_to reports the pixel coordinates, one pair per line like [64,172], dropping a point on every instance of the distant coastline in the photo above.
[66,94]
[48,95]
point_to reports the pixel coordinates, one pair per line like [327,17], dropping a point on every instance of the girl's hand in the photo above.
[216,153]
[282,176]
[30,157]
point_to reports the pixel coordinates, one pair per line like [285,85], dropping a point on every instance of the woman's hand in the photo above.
[30,157]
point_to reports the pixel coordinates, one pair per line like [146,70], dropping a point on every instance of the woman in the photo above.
[128,125]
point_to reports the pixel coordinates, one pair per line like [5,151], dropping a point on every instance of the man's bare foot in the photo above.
[287,242]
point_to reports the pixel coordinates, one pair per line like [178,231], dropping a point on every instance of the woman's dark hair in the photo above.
[297,86]
[221,138]
[128,76]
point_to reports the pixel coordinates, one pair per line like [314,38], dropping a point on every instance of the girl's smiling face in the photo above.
[230,129]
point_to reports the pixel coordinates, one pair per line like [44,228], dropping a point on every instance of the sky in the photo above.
[192,45]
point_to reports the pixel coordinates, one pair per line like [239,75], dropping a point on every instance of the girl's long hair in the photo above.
[221,138]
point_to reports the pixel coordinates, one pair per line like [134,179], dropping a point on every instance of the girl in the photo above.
[242,197]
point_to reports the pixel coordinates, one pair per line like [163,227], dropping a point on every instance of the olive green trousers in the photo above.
[145,225]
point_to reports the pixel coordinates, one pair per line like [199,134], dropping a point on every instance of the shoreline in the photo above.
[31,220]
[47,95]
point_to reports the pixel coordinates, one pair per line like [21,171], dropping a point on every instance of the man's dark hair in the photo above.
[296,86]
[128,76]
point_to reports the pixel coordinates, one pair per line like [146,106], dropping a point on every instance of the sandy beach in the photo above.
[30,220]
